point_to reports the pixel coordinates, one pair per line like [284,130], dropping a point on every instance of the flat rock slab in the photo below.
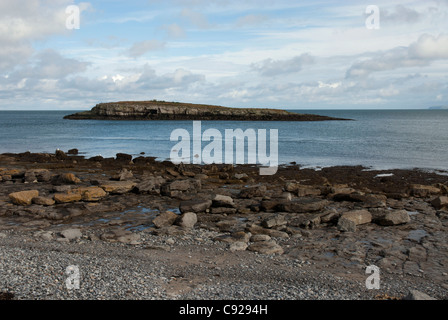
[266,247]
[23,198]
[303,205]
[118,187]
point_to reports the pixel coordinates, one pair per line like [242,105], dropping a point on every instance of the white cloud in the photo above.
[272,68]
[140,48]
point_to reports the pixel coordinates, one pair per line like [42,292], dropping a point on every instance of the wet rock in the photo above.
[123,157]
[60,155]
[266,247]
[253,192]
[165,219]
[118,187]
[23,198]
[417,295]
[422,191]
[150,185]
[440,202]
[43,201]
[223,201]
[187,220]
[73,152]
[71,234]
[303,205]
[30,177]
[195,206]
[394,218]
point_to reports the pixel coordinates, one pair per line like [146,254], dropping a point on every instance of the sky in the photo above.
[246,53]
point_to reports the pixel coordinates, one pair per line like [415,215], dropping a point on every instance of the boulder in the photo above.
[195,206]
[440,202]
[118,187]
[223,210]
[43,201]
[422,191]
[23,198]
[123,157]
[177,187]
[349,220]
[60,155]
[73,152]
[67,197]
[346,225]
[90,194]
[71,234]
[123,175]
[187,220]
[266,247]
[394,218]
[65,178]
[417,295]
[223,201]
[303,205]
[150,185]
[253,192]
[165,219]
[273,222]
[260,237]
[238,246]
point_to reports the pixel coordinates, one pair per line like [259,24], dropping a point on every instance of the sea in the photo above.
[375,139]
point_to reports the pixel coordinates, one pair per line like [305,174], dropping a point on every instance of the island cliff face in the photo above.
[158,110]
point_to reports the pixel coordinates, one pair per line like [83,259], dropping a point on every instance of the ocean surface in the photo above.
[378,139]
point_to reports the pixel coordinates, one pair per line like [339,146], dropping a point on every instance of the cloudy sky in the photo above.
[239,53]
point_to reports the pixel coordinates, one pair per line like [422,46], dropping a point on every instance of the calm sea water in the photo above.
[377,139]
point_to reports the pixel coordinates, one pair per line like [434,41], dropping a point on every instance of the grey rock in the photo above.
[417,295]
[187,220]
[394,218]
[71,234]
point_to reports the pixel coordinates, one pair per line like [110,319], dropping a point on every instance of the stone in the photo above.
[150,185]
[60,155]
[123,157]
[303,205]
[66,178]
[238,246]
[118,187]
[240,176]
[303,191]
[440,202]
[71,234]
[358,216]
[287,196]
[253,192]
[131,238]
[273,222]
[23,198]
[394,218]
[165,219]
[44,235]
[123,175]
[90,194]
[223,210]
[422,191]
[195,206]
[187,220]
[417,295]
[67,197]
[222,201]
[73,152]
[43,201]
[346,225]
[266,247]
[174,188]
[260,237]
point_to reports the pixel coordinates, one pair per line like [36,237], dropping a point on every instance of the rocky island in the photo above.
[161,110]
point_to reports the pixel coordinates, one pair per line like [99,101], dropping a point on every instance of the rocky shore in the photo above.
[161,110]
[142,229]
